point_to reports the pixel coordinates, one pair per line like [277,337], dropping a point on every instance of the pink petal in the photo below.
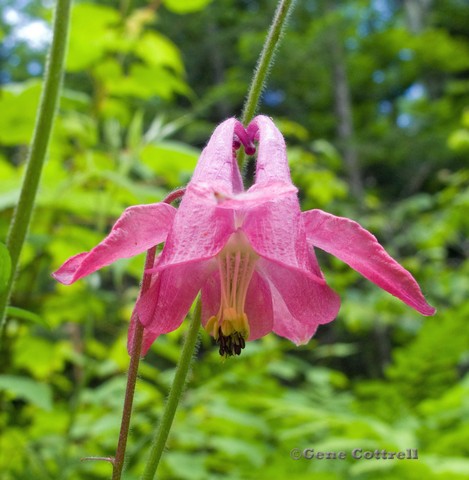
[286,325]
[210,296]
[257,195]
[302,302]
[358,248]
[164,306]
[276,232]
[137,229]
[258,306]
[272,162]
[200,229]
[217,164]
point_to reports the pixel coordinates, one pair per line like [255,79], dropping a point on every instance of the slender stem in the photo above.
[174,396]
[42,131]
[136,348]
[284,8]
[118,463]
[266,60]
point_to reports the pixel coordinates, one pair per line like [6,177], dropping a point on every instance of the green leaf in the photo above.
[139,81]
[135,132]
[38,394]
[459,140]
[5,267]
[85,48]
[18,104]
[9,199]
[26,315]
[40,357]
[187,6]
[157,50]
[173,161]
[465,118]
[448,465]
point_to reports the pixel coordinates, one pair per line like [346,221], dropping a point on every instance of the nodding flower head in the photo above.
[249,252]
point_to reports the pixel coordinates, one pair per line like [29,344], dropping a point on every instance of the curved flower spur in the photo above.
[250,253]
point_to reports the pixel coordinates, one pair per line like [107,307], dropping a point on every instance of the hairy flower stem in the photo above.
[42,131]
[118,462]
[265,62]
[174,396]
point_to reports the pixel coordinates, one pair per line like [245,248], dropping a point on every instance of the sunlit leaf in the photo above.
[173,161]
[39,356]
[85,49]
[187,6]
[18,104]
[158,50]
[459,140]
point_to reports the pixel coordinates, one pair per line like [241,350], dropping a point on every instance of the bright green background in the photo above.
[145,85]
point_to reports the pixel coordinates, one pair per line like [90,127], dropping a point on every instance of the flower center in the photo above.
[230,326]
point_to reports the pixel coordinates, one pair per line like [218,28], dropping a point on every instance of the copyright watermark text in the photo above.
[356,454]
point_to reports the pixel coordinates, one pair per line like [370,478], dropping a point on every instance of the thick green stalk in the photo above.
[174,396]
[42,131]
[265,62]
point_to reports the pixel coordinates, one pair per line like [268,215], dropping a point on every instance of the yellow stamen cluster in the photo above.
[230,326]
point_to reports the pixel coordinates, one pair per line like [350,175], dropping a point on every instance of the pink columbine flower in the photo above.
[250,253]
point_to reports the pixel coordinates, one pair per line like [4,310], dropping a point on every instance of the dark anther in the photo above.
[230,345]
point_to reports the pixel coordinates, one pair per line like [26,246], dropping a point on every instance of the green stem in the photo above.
[136,349]
[265,62]
[174,396]
[284,8]
[42,131]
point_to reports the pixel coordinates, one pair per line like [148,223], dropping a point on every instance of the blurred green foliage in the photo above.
[145,85]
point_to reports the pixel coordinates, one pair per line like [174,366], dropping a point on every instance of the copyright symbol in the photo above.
[295,453]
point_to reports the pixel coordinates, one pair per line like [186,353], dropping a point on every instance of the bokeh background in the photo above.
[373,99]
